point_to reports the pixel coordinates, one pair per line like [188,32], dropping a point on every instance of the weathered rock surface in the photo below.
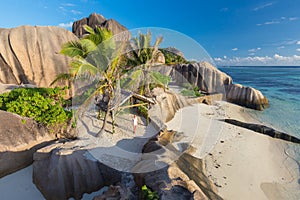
[167,104]
[20,138]
[211,80]
[204,75]
[246,96]
[183,179]
[9,87]
[113,193]
[61,171]
[30,54]
[97,20]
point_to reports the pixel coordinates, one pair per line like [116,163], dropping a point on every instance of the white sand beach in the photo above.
[243,164]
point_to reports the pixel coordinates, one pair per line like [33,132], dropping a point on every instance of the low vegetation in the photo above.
[44,105]
[172,58]
[191,91]
[148,194]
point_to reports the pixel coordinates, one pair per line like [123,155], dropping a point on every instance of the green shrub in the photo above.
[143,111]
[44,105]
[148,194]
[172,58]
[191,91]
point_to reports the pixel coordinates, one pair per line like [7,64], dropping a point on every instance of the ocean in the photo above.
[281,85]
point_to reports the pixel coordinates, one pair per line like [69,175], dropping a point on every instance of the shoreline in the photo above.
[242,164]
[248,165]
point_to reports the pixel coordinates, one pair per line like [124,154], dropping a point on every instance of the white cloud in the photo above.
[272,22]
[290,42]
[278,21]
[298,49]
[68,4]
[263,6]
[225,57]
[235,49]
[281,47]
[275,60]
[224,9]
[293,18]
[269,23]
[218,59]
[76,12]
[298,42]
[254,50]
[66,25]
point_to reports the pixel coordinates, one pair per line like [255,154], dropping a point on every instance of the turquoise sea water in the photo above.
[281,85]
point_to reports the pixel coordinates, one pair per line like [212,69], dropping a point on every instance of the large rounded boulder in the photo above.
[30,54]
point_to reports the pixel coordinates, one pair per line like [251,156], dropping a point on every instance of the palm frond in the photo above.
[81,66]
[62,76]
[88,46]
[88,29]
[72,49]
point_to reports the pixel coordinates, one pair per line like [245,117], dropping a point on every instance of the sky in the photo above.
[232,32]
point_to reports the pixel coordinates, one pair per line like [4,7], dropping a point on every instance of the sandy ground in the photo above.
[248,165]
[243,164]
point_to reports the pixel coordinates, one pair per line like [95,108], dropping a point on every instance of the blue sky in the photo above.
[233,32]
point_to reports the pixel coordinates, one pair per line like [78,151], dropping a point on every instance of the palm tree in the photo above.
[94,56]
[141,59]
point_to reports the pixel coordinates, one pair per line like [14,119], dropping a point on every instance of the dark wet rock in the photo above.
[264,130]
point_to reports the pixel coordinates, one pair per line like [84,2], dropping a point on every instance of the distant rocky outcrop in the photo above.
[246,96]
[97,20]
[211,80]
[20,138]
[30,54]
[203,74]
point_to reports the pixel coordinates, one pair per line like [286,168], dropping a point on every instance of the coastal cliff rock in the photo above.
[30,54]
[203,74]
[97,20]
[20,138]
[211,80]
[246,96]
[62,171]
[182,179]
[167,104]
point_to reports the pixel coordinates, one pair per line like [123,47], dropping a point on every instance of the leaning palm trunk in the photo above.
[147,83]
[107,112]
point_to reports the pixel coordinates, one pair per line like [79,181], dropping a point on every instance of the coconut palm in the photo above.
[94,56]
[141,59]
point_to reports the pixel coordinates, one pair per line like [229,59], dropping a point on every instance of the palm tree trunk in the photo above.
[107,113]
[147,83]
